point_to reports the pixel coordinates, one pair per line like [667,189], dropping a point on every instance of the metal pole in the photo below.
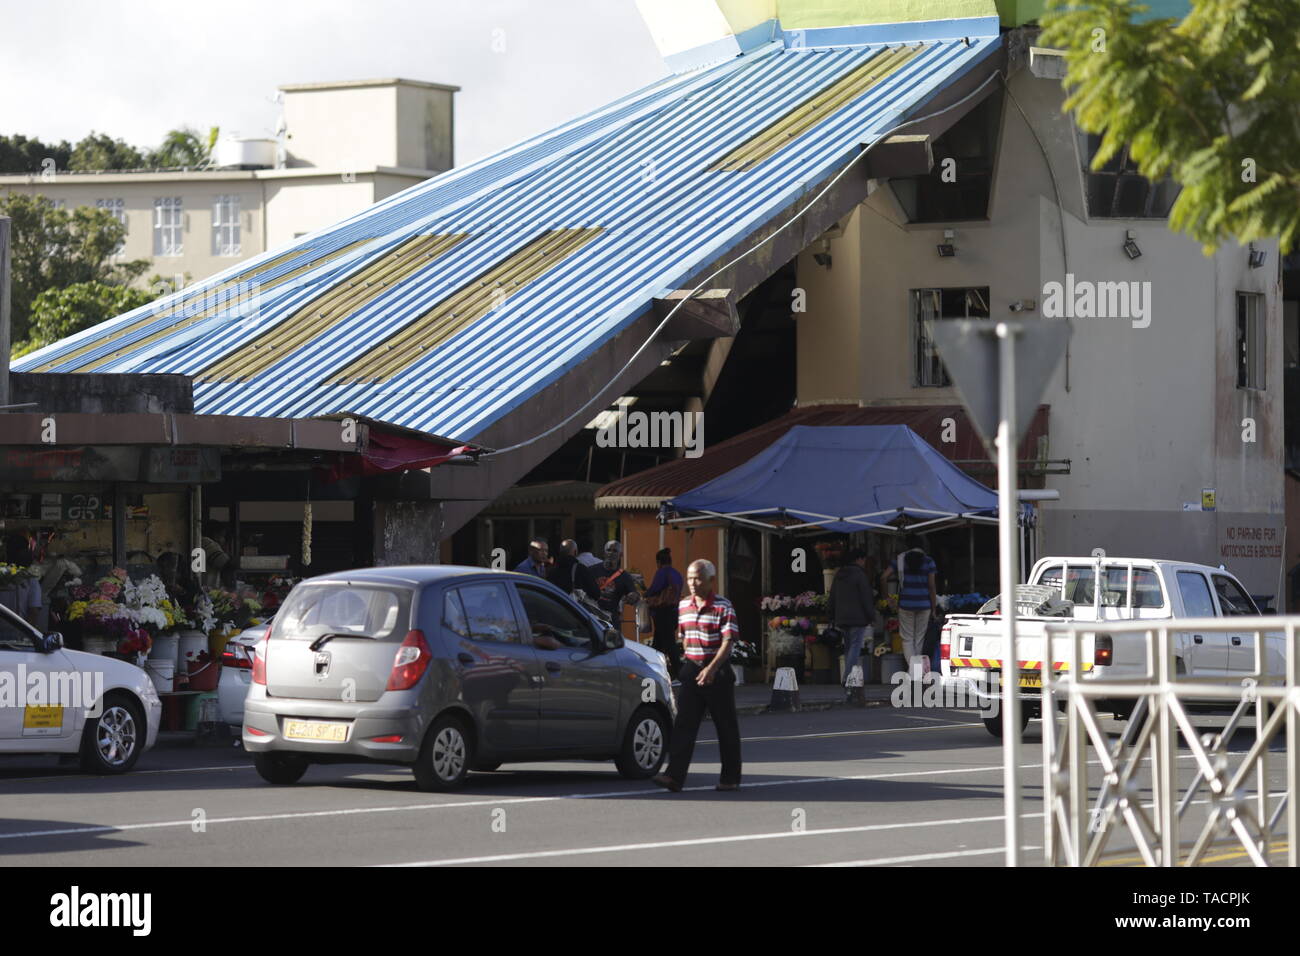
[1008,527]
[5,233]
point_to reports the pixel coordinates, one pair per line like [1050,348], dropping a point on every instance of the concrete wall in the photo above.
[275,207]
[138,191]
[360,125]
[1147,416]
[103,393]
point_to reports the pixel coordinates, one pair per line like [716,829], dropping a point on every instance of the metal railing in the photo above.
[1078,828]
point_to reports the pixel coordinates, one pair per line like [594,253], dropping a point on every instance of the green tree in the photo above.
[18,154]
[60,312]
[1210,101]
[100,151]
[52,248]
[184,147]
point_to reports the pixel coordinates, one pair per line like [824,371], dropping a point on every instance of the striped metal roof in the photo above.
[637,185]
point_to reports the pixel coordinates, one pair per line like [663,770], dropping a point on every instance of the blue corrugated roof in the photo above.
[639,170]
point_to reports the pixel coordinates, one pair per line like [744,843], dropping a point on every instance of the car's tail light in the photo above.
[237,655]
[259,661]
[411,662]
[945,644]
[388,739]
[1103,650]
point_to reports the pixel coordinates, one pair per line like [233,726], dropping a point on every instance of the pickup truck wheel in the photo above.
[994,724]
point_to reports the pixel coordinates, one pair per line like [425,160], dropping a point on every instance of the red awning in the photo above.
[389,452]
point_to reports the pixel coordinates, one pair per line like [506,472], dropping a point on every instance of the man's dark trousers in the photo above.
[665,639]
[720,700]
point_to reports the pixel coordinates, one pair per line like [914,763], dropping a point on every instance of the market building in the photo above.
[657,249]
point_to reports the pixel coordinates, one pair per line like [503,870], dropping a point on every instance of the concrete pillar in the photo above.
[406,532]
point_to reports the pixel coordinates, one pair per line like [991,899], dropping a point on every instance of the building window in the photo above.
[1250,340]
[933,305]
[1117,190]
[118,208]
[959,185]
[56,203]
[168,226]
[225,226]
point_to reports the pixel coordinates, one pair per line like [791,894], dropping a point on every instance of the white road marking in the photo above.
[849,733]
[923,857]
[492,802]
[698,841]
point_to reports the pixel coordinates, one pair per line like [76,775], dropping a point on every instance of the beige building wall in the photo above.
[1148,417]
[367,123]
[276,205]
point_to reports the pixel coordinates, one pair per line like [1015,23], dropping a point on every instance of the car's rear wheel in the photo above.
[446,756]
[645,745]
[280,769]
[994,724]
[113,741]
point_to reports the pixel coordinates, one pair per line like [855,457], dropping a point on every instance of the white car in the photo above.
[59,701]
[237,673]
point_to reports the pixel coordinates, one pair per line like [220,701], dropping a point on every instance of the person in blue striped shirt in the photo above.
[917,599]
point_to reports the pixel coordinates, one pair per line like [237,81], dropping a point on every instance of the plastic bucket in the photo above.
[166,647]
[98,644]
[205,676]
[162,673]
[891,664]
[189,646]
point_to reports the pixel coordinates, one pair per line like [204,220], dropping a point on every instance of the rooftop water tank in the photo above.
[246,153]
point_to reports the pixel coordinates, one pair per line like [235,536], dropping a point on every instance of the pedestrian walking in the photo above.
[663,596]
[536,562]
[917,600]
[30,607]
[707,624]
[572,576]
[617,587]
[851,607]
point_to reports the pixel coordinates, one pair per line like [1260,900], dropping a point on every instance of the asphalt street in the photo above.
[880,786]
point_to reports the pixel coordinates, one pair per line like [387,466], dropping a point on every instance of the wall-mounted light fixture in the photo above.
[823,257]
[946,249]
[1256,257]
[1130,245]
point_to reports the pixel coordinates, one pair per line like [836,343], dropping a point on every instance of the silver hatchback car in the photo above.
[449,669]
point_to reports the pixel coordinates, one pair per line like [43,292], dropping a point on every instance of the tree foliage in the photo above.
[60,312]
[19,154]
[101,151]
[53,248]
[184,147]
[1210,101]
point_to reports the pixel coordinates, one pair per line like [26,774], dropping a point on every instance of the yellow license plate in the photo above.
[42,718]
[315,730]
[1031,679]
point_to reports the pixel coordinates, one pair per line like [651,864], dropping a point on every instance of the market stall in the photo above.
[877,481]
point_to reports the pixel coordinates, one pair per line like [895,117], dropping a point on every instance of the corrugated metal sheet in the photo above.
[640,171]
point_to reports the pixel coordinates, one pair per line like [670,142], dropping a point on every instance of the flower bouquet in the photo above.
[11,574]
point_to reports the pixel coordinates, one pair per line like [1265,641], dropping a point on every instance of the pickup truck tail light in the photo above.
[945,644]
[1103,650]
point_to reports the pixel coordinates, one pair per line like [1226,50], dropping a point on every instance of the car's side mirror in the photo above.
[49,643]
[613,639]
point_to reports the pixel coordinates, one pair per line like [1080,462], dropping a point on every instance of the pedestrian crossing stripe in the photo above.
[1024,665]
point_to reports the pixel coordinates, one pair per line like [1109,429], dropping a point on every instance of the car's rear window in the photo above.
[358,610]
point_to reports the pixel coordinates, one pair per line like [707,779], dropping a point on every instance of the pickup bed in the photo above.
[1104,589]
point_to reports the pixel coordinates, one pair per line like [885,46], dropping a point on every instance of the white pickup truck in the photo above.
[1063,589]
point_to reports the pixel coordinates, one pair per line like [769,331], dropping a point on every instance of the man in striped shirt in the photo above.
[706,623]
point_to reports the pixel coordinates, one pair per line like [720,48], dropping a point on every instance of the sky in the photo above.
[136,68]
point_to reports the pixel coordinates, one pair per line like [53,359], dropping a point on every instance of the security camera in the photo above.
[1017,306]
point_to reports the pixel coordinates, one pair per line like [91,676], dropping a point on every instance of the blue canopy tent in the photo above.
[841,478]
